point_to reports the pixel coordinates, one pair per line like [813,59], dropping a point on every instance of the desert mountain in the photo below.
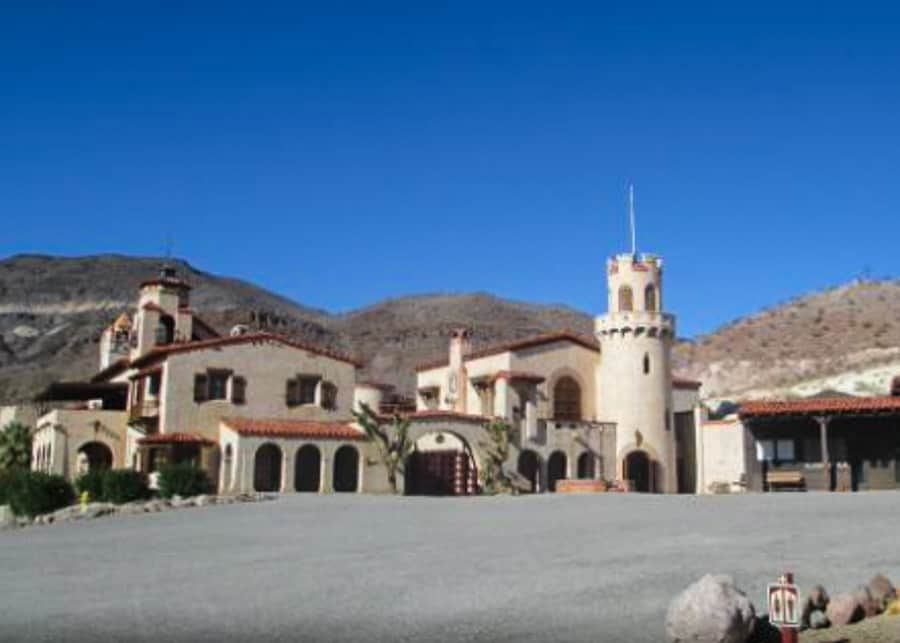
[53,309]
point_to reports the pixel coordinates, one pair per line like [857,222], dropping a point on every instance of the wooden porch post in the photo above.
[823,421]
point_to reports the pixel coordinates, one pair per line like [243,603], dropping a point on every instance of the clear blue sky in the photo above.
[341,153]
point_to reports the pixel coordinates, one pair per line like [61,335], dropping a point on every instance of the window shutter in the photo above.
[200,387]
[238,390]
[292,392]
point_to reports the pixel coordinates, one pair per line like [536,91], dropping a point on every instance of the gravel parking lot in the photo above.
[367,568]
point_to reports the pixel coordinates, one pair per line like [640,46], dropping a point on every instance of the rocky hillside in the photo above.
[846,339]
[52,311]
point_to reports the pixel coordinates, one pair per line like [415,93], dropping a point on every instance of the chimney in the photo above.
[457,380]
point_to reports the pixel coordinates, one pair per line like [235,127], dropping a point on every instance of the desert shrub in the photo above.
[92,483]
[124,485]
[183,480]
[32,493]
[6,480]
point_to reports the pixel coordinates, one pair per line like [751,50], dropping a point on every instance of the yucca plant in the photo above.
[391,439]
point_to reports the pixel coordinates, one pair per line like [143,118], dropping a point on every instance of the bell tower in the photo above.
[634,376]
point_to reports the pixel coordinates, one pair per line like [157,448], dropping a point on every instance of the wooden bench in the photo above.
[787,480]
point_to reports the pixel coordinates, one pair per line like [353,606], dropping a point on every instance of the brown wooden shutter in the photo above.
[293,392]
[238,390]
[201,392]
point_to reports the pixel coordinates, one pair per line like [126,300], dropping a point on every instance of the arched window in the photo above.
[165,331]
[650,298]
[267,468]
[566,399]
[646,364]
[626,299]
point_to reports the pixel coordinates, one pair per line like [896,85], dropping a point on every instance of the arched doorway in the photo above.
[528,467]
[441,464]
[556,469]
[307,469]
[566,399]
[637,469]
[267,468]
[586,466]
[346,469]
[94,456]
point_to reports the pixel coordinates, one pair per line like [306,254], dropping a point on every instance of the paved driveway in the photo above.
[365,568]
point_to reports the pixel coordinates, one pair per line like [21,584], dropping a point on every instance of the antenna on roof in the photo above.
[631,218]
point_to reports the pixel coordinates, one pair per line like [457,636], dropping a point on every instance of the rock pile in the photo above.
[713,610]
[99,509]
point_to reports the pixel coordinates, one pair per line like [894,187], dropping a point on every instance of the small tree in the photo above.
[15,447]
[494,478]
[392,441]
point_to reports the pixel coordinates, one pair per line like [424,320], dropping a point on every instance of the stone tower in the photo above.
[634,376]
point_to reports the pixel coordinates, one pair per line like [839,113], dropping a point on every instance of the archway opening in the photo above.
[556,469]
[267,468]
[638,469]
[165,331]
[346,469]
[650,303]
[528,467]
[307,469]
[626,299]
[441,464]
[94,456]
[586,466]
[566,399]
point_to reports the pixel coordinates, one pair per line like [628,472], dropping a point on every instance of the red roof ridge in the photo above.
[185,347]
[679,381]
[819,405]
[177,437]
[293,428]
[519,344]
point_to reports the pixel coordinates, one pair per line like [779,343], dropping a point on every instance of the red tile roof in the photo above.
[164,350]
[825,406]
[119,366]
[446,415]
[521,344]
[174,438]
[519,375]
[381,386]
[173,282]
[275,428]
[685,383]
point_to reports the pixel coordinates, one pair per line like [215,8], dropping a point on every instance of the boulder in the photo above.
[818,620]
[203,500]
[864,598]
[7,518]
[816,601]
[882,591]
[712,610]
[844,609]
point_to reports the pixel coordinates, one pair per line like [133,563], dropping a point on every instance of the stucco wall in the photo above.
[66,431]
[266,368]
[721,453]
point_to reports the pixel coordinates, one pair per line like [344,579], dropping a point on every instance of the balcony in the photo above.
[554,431]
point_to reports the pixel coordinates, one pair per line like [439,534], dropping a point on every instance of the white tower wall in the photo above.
[634,376]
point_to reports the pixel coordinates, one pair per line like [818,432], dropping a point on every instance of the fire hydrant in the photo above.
[85,499]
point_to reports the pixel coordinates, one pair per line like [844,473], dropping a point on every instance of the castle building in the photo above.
[260,411]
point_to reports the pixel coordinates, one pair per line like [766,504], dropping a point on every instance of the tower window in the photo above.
[650,299]
[646,364]
[626,299]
